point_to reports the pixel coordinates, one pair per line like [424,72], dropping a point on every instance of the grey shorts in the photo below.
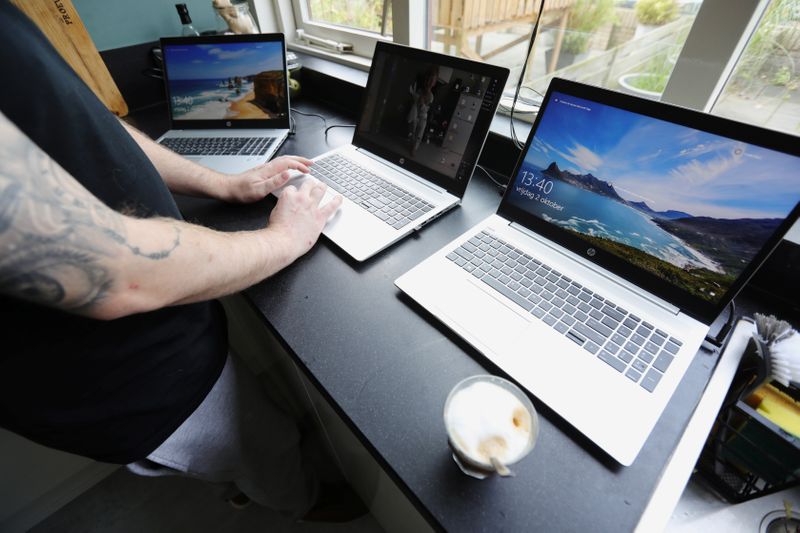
[239,437]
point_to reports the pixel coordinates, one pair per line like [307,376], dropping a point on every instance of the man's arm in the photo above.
[183,176]
[62,247]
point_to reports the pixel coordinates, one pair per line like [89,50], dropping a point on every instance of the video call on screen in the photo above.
[427,113]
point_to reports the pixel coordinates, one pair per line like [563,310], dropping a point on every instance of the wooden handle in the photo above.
[60,22]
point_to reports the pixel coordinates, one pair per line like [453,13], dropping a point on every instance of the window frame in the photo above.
[719,34]
[291,16]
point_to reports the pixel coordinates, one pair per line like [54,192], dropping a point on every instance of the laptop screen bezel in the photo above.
[703,310]
[444,181]
[269,123]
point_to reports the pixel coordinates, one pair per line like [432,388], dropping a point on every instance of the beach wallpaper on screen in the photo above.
[691,207]
[226,81]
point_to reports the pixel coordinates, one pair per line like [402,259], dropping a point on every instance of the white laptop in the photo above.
[627,227]
[423,122]
[228,99]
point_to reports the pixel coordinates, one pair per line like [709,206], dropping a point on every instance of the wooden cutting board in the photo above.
[59,21]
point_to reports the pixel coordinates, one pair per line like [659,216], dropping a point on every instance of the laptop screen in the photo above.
[428,112]
[215,80]
[686,198]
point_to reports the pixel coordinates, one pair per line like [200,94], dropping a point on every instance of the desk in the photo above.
[386,367]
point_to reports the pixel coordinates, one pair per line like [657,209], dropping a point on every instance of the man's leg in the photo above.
[237,435]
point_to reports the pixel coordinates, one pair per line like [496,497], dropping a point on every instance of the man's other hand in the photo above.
[255,184]
[299,217]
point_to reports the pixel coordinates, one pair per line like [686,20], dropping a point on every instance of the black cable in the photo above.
[535,30]
[324,120]
[338,126]
[502,186]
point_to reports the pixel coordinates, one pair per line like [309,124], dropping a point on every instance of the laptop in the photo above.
[228,99]
[423,122]
[627,227]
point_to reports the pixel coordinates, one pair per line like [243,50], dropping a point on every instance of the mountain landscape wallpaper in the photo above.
[689,206]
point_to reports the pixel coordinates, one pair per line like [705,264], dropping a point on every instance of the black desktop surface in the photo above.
[386,366]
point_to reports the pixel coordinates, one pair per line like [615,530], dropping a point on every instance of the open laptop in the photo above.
[423,122]
[228,98]
[627,227]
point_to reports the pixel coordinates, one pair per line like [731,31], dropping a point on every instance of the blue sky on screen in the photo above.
[203,62]
[666,165]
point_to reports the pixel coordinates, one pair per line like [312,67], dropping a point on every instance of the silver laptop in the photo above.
[423,122]
[228,99]
[627,227]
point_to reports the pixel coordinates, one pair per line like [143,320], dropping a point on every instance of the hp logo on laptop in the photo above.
[590,252]
[402,160]
[228,123]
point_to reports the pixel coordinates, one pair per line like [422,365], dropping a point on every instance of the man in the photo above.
[112,349]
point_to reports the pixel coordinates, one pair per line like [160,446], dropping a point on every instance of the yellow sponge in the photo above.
[778,407]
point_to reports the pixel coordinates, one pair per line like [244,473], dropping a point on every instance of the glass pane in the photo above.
[763,87]
[628,45]
[360,14]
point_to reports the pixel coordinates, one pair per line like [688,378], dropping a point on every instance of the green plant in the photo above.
[759,57]
[782,77]
[585,16]
[656,12]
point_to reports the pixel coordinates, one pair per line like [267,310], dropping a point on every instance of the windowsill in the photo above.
[352,61]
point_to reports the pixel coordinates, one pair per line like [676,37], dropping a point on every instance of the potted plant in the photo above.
[650,81]
[585,17]
[653,13]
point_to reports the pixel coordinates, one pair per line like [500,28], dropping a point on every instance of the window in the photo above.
[630,46]
[763,89]
[680,51]
[369,15]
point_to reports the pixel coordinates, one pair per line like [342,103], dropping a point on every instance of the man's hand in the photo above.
[298,218]
[255,184]
[187,177]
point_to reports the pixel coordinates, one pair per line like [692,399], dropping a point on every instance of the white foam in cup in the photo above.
[487,417]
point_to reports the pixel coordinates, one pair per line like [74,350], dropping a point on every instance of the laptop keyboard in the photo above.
[218,145]
[622,340]
[380,197]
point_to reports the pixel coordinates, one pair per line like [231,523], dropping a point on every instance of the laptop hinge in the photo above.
[598,270]
[403,171]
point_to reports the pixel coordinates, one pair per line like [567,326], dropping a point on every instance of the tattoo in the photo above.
[56,238]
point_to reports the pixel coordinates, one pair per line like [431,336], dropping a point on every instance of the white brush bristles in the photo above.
[785,358]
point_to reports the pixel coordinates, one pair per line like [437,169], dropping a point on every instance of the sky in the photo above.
[666,165]
[203,61]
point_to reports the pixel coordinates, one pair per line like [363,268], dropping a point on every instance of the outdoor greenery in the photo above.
[361,14]
[656,12]
[585,17]
[769,57]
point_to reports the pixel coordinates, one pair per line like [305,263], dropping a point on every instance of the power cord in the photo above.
[535,30]
[338,126]
[501,186]
[324,120]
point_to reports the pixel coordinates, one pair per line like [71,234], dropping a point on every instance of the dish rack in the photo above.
[748,455]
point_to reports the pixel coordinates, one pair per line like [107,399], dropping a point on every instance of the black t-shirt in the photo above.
[109,390]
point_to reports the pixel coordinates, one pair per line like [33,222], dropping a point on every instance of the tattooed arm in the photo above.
[62,247]
[187,177]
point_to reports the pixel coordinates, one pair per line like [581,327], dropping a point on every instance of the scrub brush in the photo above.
[779,347]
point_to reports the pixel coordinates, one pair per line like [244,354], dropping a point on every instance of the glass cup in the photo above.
[493,406]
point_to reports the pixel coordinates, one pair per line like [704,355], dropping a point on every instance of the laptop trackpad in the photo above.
[496,327]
